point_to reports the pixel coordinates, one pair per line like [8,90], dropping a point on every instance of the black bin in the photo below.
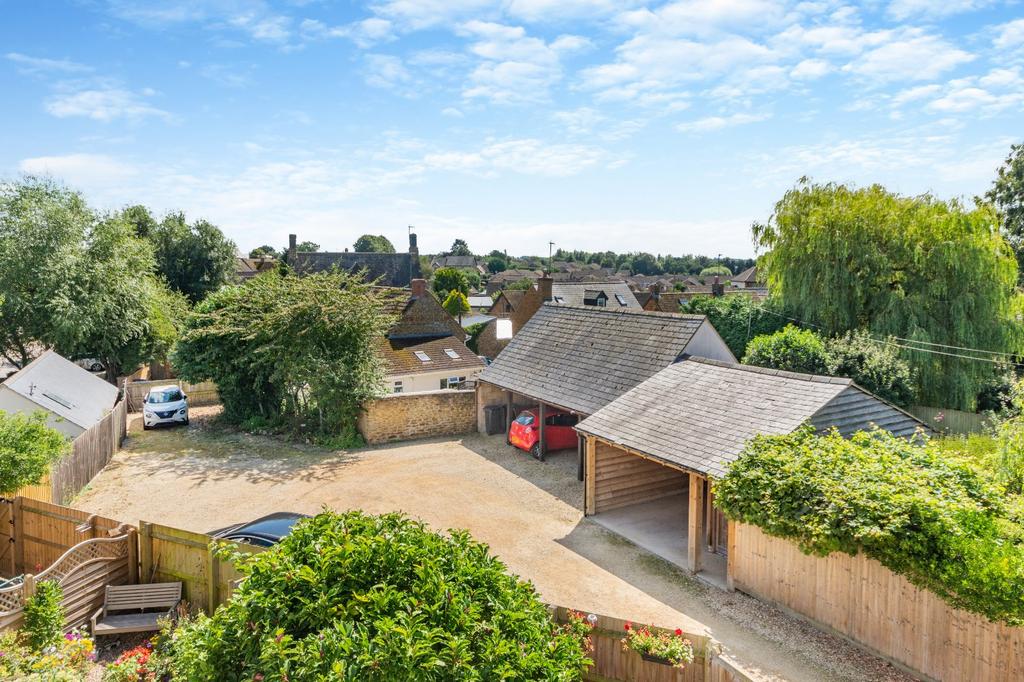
[495,419]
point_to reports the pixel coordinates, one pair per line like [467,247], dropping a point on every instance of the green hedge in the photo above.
[924,515]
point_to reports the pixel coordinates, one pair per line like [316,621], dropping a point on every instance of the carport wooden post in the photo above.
[580,449]
[509,417]
[590,476]
[543,442]
[695,539]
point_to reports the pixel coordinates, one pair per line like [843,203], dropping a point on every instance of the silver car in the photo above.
[164,405]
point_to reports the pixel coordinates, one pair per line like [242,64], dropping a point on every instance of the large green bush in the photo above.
[27,448]
[921,513]
[358,597]
[874,366]
[737,318]
[791,349]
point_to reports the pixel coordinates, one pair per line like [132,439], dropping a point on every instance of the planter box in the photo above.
[655,659]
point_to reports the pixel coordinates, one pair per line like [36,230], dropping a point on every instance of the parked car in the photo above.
[91,365]
[559,434]
[265,531]
[164,405]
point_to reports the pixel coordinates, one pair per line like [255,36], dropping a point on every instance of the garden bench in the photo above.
[136,599]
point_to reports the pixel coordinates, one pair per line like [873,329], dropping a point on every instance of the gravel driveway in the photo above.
[206,476]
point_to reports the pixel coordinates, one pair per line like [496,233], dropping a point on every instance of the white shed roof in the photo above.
[65,389]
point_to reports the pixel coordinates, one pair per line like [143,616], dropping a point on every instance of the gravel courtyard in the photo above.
[206,476]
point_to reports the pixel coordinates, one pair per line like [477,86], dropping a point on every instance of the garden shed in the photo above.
[648,455]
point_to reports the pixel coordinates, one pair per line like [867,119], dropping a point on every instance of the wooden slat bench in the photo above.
[137,599]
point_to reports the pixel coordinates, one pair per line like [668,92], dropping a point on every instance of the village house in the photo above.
[246,268]
[580,358]
[425,349]
[650,453]
[72,398]
[388,269]
[501,280]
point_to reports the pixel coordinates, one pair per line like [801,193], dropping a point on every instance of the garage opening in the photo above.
[664,509]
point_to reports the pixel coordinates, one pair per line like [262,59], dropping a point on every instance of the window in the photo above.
[621,299]
[423,357]
[452,382]
[525,419]
[451,353]
[602,302]
[397,387]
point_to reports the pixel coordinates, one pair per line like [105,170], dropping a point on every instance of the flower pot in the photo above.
[655,659]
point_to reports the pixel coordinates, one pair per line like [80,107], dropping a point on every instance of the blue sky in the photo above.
[597,124]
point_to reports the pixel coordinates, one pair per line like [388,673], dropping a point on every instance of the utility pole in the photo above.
[551,246]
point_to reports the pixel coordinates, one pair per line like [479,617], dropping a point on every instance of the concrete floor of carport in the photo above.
[660,527]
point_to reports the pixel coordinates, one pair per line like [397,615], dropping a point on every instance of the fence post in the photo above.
[18,533]
[212,577]
[133,557]
[145,552]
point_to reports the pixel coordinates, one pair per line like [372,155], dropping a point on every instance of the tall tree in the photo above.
[460,248]
[265,251]
[456,304]
[141,219]
[450,279]
[194,259]
[915,268]
[373,243]
[1007,194]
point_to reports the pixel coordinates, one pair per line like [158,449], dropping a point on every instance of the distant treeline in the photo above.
[641,263]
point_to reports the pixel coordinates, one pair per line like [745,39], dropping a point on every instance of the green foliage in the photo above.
[720,270]
[57,255]
[459,248]
[195,259]
[373,243]
[473,279]
[450,279]
[1007,194]
[264,251]
[298,350]
[791,349]
[875,366]
[911,267]
[921,513]
[44,616]
[738,319]
[496,264]
[27,448]
[520,284]
[456,304]
[474,331]
[357,597]
[67,660]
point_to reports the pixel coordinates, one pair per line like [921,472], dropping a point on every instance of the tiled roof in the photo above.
[391,269]
[417,317]
[65,389]
[582,358]
[400,356]
[575,293]
[748,275]
[668,301]
[699,413]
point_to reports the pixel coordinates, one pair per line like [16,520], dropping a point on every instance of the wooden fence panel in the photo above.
[44,531]
[863,600]
[91,451]
[950,421]
[200,394]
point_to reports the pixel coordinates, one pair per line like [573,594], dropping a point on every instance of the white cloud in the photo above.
[388,72]
[421,14]
[452,112]
[1010,35]
[713,123]
[703,17]
[536,11]
[27,64]
[365,33]
[810,69]
[230,76]
[907,54]
[104,104]
[903,9]
[79,169]
[524,156]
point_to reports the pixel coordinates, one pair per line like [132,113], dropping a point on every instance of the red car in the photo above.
[559,434]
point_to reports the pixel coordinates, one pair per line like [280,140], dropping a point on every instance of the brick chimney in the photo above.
[655,290]
[419,287]
[717,288]
[413,248]
[544,286]
[291,249]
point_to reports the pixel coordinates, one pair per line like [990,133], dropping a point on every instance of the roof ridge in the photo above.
[800,376]
[623,311]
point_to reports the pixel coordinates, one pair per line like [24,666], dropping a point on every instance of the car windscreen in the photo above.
[525,419]
[163,396]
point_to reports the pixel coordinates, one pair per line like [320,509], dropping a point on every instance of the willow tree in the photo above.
[916,268]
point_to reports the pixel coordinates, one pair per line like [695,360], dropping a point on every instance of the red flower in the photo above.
[629,626]
[679,632]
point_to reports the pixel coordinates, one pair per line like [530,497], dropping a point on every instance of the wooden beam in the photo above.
[589,476]
[509,417]
[695,537]
[730,557]
[579,455]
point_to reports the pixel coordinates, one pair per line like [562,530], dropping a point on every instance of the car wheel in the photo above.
[96,367]
[146,427]
[186,421]
[535,450]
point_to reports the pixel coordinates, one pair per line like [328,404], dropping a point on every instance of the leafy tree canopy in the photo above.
[27,448]
[292,351]
[1007,194]
[76,282]
[459,248]
[720,270]
[520,284]
[456,304]
[450,279]
[264,251]
[919,512]
[791,349]
[373,243]
[378,598]
[196,258]
[910,267]
[877,367]
[496,264]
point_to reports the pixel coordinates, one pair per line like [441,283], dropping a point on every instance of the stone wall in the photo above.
[407,416]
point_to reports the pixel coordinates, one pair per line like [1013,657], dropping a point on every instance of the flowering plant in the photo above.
[132,666]
[671,647]
[67,658]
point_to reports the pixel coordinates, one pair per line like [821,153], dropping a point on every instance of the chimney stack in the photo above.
[412,243]
[419,287]
[655,290]
[291,249]
[544,286]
